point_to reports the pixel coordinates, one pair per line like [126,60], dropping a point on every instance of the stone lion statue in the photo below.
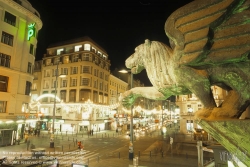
[210,45]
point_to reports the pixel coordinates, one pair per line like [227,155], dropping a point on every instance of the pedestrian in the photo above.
[79,144]
[28,144]
[38,132]
[92,132]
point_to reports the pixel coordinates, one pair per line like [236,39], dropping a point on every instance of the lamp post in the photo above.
[54,108]
[131,147]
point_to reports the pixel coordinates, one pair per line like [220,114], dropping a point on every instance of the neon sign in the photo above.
[31,31]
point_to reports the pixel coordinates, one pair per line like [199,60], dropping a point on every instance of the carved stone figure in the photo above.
[210,45]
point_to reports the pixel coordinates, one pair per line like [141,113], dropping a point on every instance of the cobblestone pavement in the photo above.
[155,150]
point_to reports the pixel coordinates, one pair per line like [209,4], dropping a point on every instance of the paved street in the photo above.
[107,148]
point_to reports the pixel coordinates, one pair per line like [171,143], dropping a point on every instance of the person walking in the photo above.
[92,132]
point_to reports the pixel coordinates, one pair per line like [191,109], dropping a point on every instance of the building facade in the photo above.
[19,27]
[77,72]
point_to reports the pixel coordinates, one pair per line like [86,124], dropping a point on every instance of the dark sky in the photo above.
[117,26]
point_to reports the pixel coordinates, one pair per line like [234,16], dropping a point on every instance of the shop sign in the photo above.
[31,31]
[27,116]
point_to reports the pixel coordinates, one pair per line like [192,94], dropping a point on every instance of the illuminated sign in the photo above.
[31,31]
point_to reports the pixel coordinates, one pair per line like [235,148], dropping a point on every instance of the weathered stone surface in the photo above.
[232,134]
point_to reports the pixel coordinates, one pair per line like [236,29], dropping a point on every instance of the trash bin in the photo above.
[51,144]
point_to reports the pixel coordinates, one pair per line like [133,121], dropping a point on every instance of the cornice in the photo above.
[25,11]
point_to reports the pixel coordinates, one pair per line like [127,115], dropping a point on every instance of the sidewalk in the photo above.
[68,142]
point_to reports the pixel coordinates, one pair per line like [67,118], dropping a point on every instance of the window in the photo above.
[101,86]
[46,84]
[64,83]
[86,57]
[75,58]
[101,75]
[74,70]
[87,47]
[73,82]
[28,88]
[34,86]
[59,51]
[85,81]
[48,62]
[10,18]
[77,48]
[29,70]
[4,60]
[7,38]
[47,73]
[65,59]
[3,83]
[3,106]
[63,95]
[55,73]
[95,84]
[86,69]
[65,71]
[31,49]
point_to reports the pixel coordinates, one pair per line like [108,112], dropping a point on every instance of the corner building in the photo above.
[83,90]
[19,26]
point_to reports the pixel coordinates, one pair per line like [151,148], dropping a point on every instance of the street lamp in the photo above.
[54,108]
[131,149]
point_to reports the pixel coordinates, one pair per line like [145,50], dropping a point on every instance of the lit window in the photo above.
[73,82]
[87,47]
[3,106]
[59,51]
[86,69]
[77,48]
[85,81]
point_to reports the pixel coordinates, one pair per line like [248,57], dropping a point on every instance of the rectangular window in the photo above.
[4,60]
[85,81]
[28,88]
[3,83]
[64,83]
[29,70]
[10,18]
[85,57]
[7,39]
[86,69]
[47,73]
[74,70]
[31,49]
[65,71]
[3,105]
[73,82]
[75,58]
[46,84]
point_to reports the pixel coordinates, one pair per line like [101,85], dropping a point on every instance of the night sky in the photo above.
[117,26]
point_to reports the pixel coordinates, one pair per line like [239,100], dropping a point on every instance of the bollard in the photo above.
[150,153]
